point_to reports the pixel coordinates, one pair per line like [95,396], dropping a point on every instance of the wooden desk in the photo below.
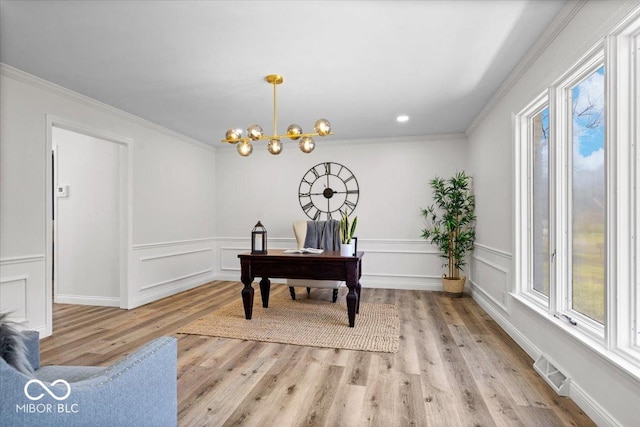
[328,265]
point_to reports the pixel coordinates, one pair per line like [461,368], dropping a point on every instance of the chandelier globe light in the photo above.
[255,132]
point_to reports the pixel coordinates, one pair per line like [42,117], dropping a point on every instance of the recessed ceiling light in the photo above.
[402,118]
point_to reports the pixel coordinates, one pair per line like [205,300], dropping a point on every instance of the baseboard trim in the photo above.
[87,300]
[487,305]
[591,407]
[475,288]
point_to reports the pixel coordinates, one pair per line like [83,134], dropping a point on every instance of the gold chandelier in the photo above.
[322,127]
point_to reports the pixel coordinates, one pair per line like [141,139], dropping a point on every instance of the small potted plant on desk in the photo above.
[346,234]
[451,226]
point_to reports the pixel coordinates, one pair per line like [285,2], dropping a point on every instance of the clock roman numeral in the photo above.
[350,204]
[327,168]
[311,211]
[307,207]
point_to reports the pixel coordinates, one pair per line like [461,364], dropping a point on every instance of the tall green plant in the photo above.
[451,220]
[347,229]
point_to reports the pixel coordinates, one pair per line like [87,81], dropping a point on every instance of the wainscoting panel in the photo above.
[163,269]
[22,291]
[13,297]
[391,264]
[490,275]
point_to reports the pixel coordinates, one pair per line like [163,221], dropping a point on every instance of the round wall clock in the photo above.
[326,190]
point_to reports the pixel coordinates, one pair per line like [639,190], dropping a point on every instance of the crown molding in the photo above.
[397,139]
[552,31]
[22,76]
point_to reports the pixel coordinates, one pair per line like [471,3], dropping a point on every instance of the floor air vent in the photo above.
[552,375]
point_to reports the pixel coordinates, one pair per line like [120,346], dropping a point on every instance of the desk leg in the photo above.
[247,293]
[358,290]
[352,303]
[265,286]
[247,298]
[353,297]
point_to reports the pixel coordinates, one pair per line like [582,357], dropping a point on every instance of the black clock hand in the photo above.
[327,193]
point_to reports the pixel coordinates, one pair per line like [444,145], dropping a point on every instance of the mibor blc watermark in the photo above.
[35,390]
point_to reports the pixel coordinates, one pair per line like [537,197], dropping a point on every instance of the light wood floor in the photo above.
[455,366]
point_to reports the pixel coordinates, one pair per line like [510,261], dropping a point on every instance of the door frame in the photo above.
[126,210]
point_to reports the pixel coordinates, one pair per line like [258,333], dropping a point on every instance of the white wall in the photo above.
[393,176]
[609,394]
[170,210]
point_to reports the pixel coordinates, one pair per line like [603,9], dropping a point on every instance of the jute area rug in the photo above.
[308,322]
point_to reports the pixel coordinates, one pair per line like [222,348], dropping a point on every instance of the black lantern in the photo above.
[259,239]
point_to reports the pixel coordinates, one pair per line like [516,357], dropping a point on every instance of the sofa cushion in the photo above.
[12,347]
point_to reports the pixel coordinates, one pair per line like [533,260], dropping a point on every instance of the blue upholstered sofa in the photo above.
[138,390]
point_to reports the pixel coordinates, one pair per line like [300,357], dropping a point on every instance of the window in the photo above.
[565,207]
[533,216]
[587,222]
[577,183]
[539,128]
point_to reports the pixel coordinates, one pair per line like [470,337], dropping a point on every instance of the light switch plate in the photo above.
[62,191]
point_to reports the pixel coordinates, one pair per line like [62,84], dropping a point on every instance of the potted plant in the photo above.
[346,234]
[451,226]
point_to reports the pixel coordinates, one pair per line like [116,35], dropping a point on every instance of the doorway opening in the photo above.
[88,230]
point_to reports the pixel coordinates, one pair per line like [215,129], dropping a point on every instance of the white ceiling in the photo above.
[198,67]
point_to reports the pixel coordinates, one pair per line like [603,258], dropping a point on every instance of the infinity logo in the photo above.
[45,388]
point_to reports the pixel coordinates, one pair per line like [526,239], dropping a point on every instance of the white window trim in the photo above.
[562,131]
[623,62]
[634,116]
[524,203]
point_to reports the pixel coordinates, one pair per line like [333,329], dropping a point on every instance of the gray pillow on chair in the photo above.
[12,348]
